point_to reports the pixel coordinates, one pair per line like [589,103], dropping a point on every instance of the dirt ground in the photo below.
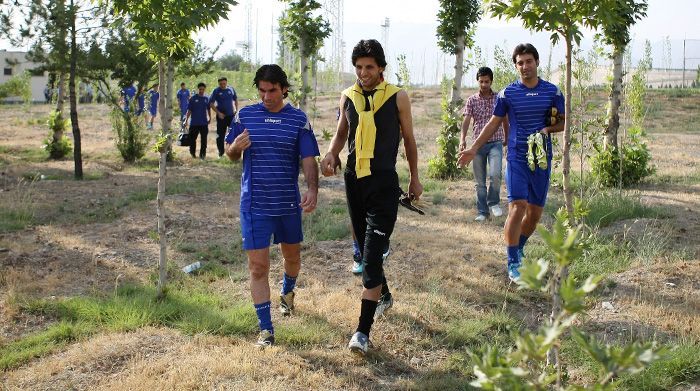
[437,260]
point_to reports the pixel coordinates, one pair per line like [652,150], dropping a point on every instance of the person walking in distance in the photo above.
[224,102]
[479,107]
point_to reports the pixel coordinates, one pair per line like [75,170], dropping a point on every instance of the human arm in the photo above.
[332,161]
[466,156]
[465,130]
[310,197]
[415,188]
[234,151]
[506,129]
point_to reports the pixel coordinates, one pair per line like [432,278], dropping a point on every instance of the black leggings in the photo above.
[197,130]
[222,125]
[373,205]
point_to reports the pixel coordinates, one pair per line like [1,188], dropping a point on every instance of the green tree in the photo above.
[230,61]
[304,33]
[616,33]
[167,38]
[44,28]
[457,18]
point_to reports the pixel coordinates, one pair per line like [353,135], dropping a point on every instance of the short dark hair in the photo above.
[525,48]
[201,85]
[272,73]
[223,78]
[182,84]
[369,48]
[484,71]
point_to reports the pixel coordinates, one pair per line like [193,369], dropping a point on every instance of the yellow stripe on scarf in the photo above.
[366,132]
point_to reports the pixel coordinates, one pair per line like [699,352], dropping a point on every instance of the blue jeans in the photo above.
[493,154]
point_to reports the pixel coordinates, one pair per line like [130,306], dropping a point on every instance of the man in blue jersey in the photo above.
[127,95]
[153,96]
[224,102]
[527,103]
[199,115]
[271,137]
[183,99]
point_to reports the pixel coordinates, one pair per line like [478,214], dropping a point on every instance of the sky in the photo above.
[412,33]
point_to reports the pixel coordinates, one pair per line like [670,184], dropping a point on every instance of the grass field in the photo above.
[78,266]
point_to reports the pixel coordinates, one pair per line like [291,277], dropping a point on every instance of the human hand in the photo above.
[329,164]
[308,200]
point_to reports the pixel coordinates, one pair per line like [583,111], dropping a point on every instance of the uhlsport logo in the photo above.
[273,121]
[531,94]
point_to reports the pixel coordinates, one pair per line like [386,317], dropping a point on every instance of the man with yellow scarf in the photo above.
[374,117]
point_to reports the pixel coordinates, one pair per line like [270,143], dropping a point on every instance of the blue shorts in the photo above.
[257,230]
[523,184]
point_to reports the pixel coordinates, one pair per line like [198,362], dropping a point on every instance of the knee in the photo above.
[293,260]
[517,208]
[259,270]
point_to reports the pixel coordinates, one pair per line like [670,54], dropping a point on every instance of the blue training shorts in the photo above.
[523,184]
[257,230]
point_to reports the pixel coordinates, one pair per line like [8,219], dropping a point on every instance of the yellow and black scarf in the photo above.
[366,132]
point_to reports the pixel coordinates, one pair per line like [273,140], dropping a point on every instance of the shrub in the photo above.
[636,165]
[444,165]
[57,144]
[132,139]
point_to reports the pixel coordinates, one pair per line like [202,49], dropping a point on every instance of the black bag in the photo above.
[183,140]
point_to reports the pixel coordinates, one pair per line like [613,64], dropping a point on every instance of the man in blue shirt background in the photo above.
[271,137]
[127,95]
[527,102]
[225,103]
[153,96]
[183,99]
[199,115]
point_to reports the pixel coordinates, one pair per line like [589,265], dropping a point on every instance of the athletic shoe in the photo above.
[265,339]
[359,343]
[481,218]
[385,302]
[531,152]
[496,211]
[521,254]
[357,266]
[386,252]
[541,150]
[513,272]
[287,303]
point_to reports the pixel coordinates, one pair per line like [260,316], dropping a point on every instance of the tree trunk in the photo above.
[613,124]
[304,69]
[553,353]
[77,156]
[459,70]
[163,73]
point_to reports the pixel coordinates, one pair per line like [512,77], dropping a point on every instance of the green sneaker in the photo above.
[541,150]
[531,152]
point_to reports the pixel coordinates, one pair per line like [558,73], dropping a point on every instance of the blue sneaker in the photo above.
[513,273]
[521,254]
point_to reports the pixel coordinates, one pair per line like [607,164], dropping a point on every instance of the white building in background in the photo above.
[13,64]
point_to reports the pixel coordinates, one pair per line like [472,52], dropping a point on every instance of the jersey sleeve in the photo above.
[501,107]
[234,130]
[558,101]
[235,97]
[212,96]
[308,146]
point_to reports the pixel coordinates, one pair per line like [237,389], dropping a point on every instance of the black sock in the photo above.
[366,316]
[385,288]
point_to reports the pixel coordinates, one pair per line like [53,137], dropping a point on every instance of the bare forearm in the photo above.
[558,127]
[412,157]
[487,132]
[310,168]
[338,141]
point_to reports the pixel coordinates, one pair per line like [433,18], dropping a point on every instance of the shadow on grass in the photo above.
[189,308]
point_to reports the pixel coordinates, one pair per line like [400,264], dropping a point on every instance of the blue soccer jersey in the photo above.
[527,109]
[224,98]
[269,183]
[153,101]
[198,107]
[128,94]
[183,99]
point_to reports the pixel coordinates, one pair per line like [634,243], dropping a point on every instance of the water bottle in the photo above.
[192,267]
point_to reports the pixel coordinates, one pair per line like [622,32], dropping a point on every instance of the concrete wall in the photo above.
[17,63]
